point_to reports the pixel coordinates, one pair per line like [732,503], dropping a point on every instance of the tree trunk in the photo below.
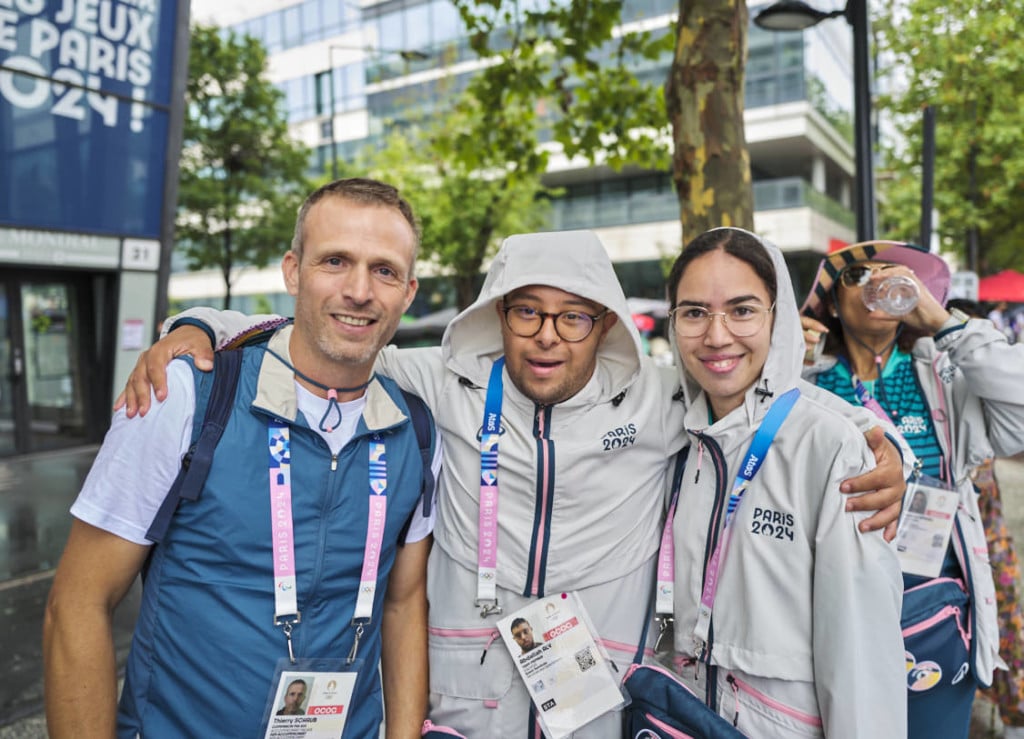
[226,265]
[465,290]
[704,97]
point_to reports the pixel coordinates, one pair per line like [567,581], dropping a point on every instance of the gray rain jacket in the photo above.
[580,485]
[805,632]
[972,381]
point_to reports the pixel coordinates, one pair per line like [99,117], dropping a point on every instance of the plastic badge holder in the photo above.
[567,672]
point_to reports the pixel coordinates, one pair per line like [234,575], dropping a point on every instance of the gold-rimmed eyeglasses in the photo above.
[692,321]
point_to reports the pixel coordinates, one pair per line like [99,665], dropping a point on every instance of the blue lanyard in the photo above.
[491,427]
[759,448]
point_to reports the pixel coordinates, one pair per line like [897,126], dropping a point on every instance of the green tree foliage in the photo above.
[467,198]
[562,63]
[560,71]
[965,59]
[554,72]
[242,176]
[567,61]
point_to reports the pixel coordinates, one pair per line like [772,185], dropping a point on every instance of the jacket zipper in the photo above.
[489,632]
[782,708]
[538,555]
[703,651]
[960,549]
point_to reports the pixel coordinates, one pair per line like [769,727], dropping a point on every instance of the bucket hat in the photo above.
[931,270]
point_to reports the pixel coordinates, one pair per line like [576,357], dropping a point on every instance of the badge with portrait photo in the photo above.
[310,698]
[567,674]
[926,524]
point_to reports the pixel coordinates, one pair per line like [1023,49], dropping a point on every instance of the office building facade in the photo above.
[352,71]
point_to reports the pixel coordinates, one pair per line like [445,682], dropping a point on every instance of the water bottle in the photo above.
[896,295]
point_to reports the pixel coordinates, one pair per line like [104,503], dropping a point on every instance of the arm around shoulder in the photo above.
[418,370]
[221,325]
[94,574]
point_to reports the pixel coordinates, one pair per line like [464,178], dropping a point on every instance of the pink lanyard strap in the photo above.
[665,593]
[286,610]
[868,400]
[487,521]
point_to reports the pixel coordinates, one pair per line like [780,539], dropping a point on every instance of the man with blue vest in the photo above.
[303,559]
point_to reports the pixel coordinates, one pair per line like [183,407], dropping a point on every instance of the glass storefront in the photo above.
[52,332]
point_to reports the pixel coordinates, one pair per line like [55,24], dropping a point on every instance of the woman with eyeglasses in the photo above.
[953,389]
[786,617]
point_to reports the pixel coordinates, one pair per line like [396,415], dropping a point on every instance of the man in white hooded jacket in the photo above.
[587,431]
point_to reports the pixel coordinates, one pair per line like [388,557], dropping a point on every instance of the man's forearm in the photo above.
[80,684]
[865,420]
[404,665]
[221,325]
[94,573]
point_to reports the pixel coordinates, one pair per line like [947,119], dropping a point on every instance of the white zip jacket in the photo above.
[805,633]
[972,381]
[580,485]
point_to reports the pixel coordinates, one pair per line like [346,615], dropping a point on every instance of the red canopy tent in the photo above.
[1006,285]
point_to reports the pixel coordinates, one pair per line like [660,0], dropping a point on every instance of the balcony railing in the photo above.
[602,210]
[794,192]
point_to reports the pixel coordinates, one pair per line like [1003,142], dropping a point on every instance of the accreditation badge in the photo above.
[567,674]
[310,699]
[926,524]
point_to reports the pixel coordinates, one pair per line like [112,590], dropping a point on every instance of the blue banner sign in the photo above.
[85,91]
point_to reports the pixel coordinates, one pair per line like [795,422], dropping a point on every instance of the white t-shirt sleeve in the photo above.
[139,461]
[423,526]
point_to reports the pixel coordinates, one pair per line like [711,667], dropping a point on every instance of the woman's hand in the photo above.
[814,338]
[928,316]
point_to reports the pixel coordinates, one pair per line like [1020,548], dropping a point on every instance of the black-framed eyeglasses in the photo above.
[570,325]
[693,321]
[858,275]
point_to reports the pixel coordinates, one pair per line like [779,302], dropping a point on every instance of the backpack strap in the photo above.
[423,425]
[258,334]
[677,481]
[195,465]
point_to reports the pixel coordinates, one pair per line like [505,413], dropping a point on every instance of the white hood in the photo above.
[574,261]
[783,367]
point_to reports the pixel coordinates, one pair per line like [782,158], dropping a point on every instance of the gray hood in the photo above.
[783,367]
[574,261]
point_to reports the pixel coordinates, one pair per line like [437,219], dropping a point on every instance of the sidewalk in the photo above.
[35,494]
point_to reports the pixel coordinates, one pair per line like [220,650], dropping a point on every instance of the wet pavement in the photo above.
[35,494]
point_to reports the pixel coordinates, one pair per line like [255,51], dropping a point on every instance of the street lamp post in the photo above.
[407,55]
[793,15]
